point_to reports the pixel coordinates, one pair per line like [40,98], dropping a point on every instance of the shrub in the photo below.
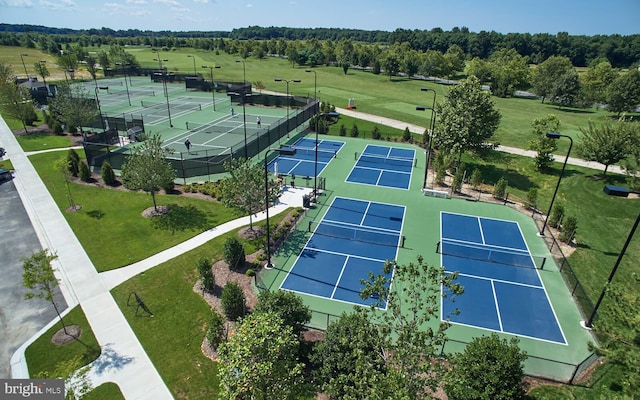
[406,135]
[555,219]
[500,188]
[215,333]
[232,301]
[441,172]
[354,131]
[569,228]
[203,266]
[343,131]
[375,133]
[73,159]
[83,171]
[73,130]
[531,203]
[108,176]
[233,253]
[250,272]
[169,186]
[57,128]
[476,179]
[456,185]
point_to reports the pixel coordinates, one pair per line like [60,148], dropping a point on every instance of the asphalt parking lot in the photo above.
[19,318]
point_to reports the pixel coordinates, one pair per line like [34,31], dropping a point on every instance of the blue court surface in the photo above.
[502,287]
[384,166]
[303,162]
[354,237]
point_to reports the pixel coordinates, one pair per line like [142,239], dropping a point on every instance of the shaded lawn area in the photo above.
[172,338]
[110,226]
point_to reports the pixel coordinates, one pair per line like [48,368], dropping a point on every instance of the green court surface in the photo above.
[421,230]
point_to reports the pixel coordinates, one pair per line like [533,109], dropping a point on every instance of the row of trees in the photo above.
[620,50]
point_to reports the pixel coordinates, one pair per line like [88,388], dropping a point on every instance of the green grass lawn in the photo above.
[106,391]
[40,141]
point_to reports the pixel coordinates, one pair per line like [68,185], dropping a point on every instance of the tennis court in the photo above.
[354,238]
[384,166]
[503,291]
[303,162]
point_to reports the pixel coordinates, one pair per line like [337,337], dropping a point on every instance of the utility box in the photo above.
[616,191]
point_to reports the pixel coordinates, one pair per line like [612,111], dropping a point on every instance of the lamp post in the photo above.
[287,151]
[244,120]
[195,73]
[164,84]
[287,81]
[244,74]
[213,86]
[98,103]
[430,129]
[124,71]
[589,323]
[23,64]
[556,135]
[315,83]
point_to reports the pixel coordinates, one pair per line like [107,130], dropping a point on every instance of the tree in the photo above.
[623,94]
[557,214]
[531,203]
[286,305]
[83,172]
[92,68]
[509,72]
[108,176]
[147,168]
[67,61]
[349,361]
[64,166]
[566,89]
[203,265]
[595,81]
[608,143]
[411,303]
[41,69]
[467,118]
[260,361]
[500,188]
[476,179]
[344,54]
[489,368]
[232,301]
[15,100]
[243,189]
[569,228]
[73,160]
[354,132]
[74,106]
[480,68]
[391,63]
[216,331]
[434,64]
[546,74]
[233,252]
[544,146]
[454,60]
[38,276]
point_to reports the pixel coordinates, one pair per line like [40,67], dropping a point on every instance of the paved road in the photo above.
[19,318]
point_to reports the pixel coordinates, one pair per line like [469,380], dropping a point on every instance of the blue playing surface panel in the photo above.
[384,166]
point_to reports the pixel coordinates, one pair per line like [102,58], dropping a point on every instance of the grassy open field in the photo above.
[603,222]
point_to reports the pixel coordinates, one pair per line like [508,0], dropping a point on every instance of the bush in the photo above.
[232,301]
[343,131]
[375,134]
[30,116]
[500,189]
[73,159]
[108,176]
[555,219]
[531,203]
[203,266]
[169,186]
[441,173]
[250,272]
[57,128]
[233,253]
[406,135]
[83,171]
[457,181]
[476,179]
[354,131]
[215,333]
[569,228]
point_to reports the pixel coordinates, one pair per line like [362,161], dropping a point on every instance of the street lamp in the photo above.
[244,74]
[315,83]
[23,64]
[287,81]
[286,151]
[213,86]
[124,71]
[430,129]
[589,323]
[244,121]
[556,135]
[195,73]
[104,128]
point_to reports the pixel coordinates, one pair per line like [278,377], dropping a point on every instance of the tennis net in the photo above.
[490,254]
[172,104]
[361,234]
[403,162]
[322,154]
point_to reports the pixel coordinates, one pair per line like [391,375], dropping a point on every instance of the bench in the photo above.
[436,193]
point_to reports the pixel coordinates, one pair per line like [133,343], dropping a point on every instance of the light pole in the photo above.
[287,81]
[23,64]
[589,323]
[244,120]
[244,74]
[430,129]
[213,86]
[315,83]
[555,136]
[315,165]
[104,128]
[164,84]
[124,71]
[287,151]
[195,73]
